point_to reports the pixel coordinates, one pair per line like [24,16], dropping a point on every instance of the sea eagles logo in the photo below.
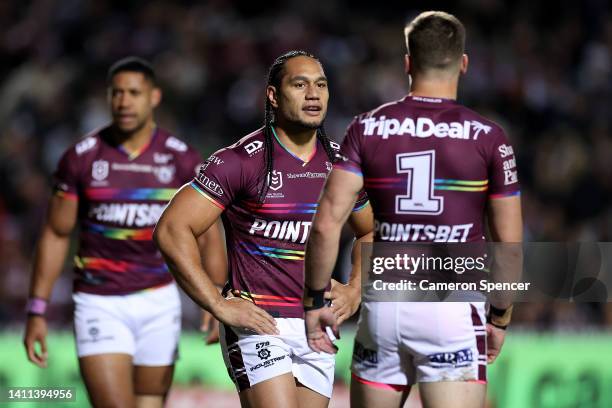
[99,170]
[165,174]
[276,180]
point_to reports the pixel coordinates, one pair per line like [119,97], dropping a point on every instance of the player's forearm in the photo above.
[507,266]
[179,247]
[321,254]
[355,278]
[48,262]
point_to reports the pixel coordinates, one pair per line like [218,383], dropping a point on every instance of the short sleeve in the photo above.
[350,150]
[362,201]
[220,178]
[189,165]
[503,175]
[66,176]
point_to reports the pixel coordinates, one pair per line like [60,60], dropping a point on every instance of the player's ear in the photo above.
[407,64]
[464,64]
[156,96]
[272,95]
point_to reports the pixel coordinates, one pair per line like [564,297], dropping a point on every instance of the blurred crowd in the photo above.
[544,75]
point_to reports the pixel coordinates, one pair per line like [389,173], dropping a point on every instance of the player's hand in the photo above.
[36,332]
[241,313]
[316,321]
[345,300]
[495,341]
[210,326]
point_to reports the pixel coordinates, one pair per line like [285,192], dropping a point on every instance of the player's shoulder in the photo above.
[478,119]
[247,149]
[172,143]
[87,146]
[386,109]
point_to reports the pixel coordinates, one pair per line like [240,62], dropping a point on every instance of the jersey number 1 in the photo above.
[420,168]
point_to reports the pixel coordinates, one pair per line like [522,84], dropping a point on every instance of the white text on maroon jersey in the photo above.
[395,232]
[129,215]
[294,231]
[423,128]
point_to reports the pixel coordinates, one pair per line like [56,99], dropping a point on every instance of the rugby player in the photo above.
[449,167]
[266,187]
[116,182]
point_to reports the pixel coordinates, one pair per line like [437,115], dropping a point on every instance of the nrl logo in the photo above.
[276,180]
[99,170]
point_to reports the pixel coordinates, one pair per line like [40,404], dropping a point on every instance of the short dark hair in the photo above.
[132,64]
[435,41]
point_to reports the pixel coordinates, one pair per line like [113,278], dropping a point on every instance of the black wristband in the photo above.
[313,299]
[499,318]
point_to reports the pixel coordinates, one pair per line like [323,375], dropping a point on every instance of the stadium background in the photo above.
[543,71]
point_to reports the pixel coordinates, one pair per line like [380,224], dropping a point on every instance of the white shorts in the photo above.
[145,324]
[251,358]
[402,343]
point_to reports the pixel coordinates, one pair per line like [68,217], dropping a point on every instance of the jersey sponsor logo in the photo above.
[215,160]
[262,350]
[334,145]
[210,185]
[175,144]
[128,215]
[505,150]
[164,174]
[276,180]
[424,128]
[293,231]
[267,363]
[85,145]
[395,232]
[307,174]
[364,355]
[253,147]
[162,158]
[458,358]
[99,170]
[510,177]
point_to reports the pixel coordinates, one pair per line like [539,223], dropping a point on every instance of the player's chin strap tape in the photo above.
[313,299]
[499,318]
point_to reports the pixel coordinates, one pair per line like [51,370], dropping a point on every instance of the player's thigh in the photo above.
[157,317]
[150,380]
[367,394]
[308,398]
[108,378]
[251,359]
[456,394]
[276,392]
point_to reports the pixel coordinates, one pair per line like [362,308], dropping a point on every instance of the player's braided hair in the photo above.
[274,79]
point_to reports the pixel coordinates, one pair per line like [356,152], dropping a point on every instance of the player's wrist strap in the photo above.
[313,299]
[36,306]
[499,318]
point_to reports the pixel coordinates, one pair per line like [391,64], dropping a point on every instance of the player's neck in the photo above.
[300,142]
[430,88]
[135,141]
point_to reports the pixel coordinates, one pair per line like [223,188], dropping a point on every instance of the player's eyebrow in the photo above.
[303,78]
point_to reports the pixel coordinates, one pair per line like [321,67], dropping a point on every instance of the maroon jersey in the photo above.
[121,197]
[429,166]
[266,241]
